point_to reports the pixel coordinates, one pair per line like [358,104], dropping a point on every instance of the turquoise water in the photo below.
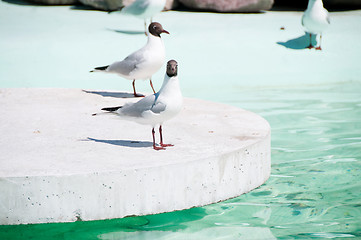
[311,99]
[313,192]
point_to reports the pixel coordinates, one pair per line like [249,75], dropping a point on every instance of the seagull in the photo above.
[157,108]
[143,63]
[315,19]
[144,9]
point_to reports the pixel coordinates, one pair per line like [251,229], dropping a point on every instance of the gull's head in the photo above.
[156,29]
[172,68]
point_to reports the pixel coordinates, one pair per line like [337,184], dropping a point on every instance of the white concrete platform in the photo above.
[58,163]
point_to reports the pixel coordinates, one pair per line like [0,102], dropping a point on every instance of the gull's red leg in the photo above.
[319,46]
[310,46]
[161,138]
[151,84]
[134,92]
[154,146]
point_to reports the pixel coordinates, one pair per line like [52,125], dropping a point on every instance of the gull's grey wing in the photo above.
[138,108]
[123,67]
[158,107]
[136,8]
[128,65]
[149,103]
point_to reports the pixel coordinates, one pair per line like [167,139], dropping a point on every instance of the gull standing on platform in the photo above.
[315,19]
[143,63]
[155,109]
[144,9]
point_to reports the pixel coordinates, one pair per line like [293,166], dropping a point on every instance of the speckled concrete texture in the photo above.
[60,164]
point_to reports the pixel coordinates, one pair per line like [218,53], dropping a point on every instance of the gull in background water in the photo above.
[315,20]
[144,9]
[143,63]
[157,108]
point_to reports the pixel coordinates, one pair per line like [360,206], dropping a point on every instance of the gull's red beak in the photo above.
[165,31]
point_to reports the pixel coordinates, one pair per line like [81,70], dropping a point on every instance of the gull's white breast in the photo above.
[315,20]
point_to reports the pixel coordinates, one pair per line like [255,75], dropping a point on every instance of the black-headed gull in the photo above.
[155,109]
[315,19]
[143,63]
[144,9]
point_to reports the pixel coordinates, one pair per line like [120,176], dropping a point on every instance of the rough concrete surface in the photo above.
[59,163]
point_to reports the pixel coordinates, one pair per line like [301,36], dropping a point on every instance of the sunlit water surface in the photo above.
[314,190]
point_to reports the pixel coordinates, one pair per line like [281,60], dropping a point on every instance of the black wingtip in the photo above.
[100,68]
[111,109]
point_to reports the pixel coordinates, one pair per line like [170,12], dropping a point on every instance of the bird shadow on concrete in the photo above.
[111,94]
[130,32]
[300,42]
[122,143]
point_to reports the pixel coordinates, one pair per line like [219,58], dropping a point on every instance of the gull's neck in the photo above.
[170,85]
[151,37]
[153,40]
[315,3]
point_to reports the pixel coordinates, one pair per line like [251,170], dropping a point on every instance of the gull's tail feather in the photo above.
[100,68]
[108,110]
[111,109]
